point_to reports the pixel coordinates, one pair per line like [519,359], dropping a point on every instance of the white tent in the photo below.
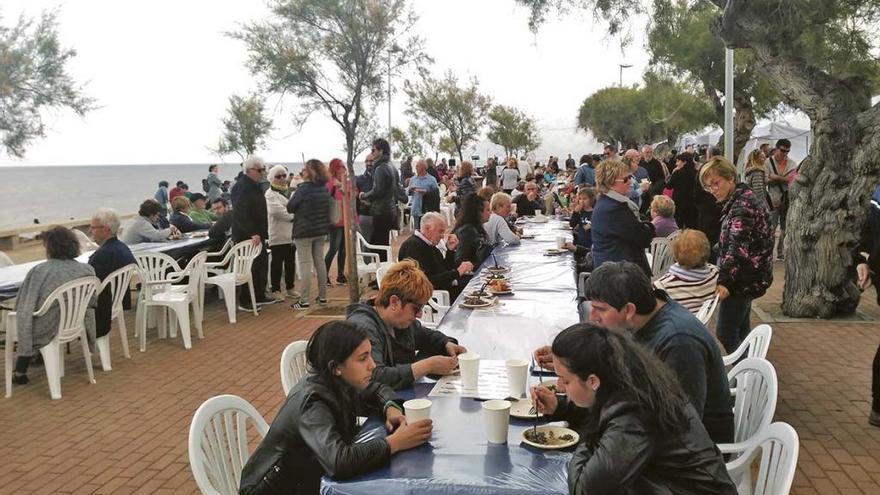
[771,132]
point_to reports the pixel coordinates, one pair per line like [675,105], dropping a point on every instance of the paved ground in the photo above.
[128,432]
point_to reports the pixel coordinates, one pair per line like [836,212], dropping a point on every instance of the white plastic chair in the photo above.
[757,343]
[218,442]
[436,309]
[241,257]
[707,310]
[661,256]
[178,299]
[153,266]
[5,260]
[85,244]
[118,283]
[778,445]
[368,263]
[73,299]
[754,386]
[293,364]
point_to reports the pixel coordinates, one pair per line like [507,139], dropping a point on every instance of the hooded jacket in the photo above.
[310,205]
[745,246]
[313,435]
[395,352]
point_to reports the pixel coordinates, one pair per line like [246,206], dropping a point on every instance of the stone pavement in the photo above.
[128,432]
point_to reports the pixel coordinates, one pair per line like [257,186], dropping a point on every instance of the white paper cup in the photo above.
[517,372]
[469,364]
[417,410]
[513,207]
[497,417]
[560,240]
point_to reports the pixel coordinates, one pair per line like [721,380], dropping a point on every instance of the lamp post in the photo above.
[392,49]
[728,103]
[620,80]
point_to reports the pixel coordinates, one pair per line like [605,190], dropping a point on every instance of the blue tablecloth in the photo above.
[458,459]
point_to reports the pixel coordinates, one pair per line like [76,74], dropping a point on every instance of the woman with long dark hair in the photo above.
[639,434]
[313,433]
[473,242]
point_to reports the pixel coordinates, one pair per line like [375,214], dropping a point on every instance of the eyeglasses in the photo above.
[626,179]
[784,151]
[281,176]
[713,185]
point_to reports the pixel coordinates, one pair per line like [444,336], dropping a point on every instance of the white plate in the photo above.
[486,304]
[201,233]
[520,409]
[500,293]
[557,432]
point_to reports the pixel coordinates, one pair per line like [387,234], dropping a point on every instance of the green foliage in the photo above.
[513,130]
[415,140]
[459,113]
[245,126]
[33,78]
[662,110]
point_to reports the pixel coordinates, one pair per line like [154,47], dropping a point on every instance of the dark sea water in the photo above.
[52,194]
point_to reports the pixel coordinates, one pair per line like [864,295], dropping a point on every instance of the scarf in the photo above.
[283,190]
[620,198]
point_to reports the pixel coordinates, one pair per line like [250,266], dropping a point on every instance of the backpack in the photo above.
[205,186]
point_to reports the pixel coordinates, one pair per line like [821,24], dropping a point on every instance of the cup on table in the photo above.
[560,240]
[517,373]
[513,208]
[469,364]
[417,410]
[496,414]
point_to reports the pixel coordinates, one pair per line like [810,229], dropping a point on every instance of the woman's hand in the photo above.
[544,357]
[864,276]
[454,349]
[722,292]
[393,418]
[408,435]
[545,400]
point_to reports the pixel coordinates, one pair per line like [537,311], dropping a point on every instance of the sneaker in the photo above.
[247,307]
[874,418]
[265,301]
[300,305]
[322,302]
[278,295]
[20,378]
[341,279]
[292,294]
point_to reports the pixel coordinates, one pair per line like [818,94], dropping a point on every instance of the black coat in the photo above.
[186,224]
[386,188]
[472,246]
[313,435]
[524,207]
[111,256]
[440,269]
[682,183]
[618,235]
[310,205]
[249,216]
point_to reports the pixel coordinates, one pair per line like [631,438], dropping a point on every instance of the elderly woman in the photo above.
[419,186]
[143,229]
[181,219]
[60,267]
[497,229]
[691,280]
[756,175]
[663,216]
[280,233]
[745,250]
[618,234]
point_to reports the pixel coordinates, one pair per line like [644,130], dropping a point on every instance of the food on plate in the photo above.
[497,269]
[547,437]
[551,387]
[499,285]
[479,293]
[475,300]
[494,276]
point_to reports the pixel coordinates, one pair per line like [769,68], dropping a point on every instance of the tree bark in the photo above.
[743,123]
[350,220]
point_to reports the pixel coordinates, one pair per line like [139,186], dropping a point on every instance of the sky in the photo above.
[162,72]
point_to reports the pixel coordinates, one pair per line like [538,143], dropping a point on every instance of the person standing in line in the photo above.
[708,208]
[280,233]
[406,170]
[432,170]
[656,175]
[569,163]
[383,196]
[682,181]
[161,197]
[756,176]
[213,183]
[585,175]
[510,175]
[310,205]
[491,174]
[419,187]
[250,221]
[782,173]
[335,187]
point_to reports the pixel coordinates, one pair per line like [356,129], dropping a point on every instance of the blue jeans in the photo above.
[337,245]
[734,322]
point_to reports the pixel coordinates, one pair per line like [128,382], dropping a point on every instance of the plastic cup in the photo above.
[417,410]
[469,364]
[517,373]
[497,417]
[560,240]
[513,207]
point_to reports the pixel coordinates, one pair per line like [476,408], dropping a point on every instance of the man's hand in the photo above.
[568,246]
[454,349]
[452,242]
[174,230]
[644,186]
[256,240]
[722,292]
[544,357]
[441,365]
[393,418]
[864,276]
[465,267]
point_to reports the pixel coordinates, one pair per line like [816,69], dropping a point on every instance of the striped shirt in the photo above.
[689,287]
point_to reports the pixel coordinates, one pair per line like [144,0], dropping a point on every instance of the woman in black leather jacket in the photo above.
[473,242]
[313,433]
[639,434]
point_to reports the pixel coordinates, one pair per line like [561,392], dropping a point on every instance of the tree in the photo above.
[614,115]
[817,55]
[34,78]
[331,55]
[672,108]
[415,140]
[460,113]
[513,130]
[246,126]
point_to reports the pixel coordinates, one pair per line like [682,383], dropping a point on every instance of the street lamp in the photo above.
[392,49]
[622,66]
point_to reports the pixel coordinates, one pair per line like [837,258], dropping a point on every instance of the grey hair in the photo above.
[252,161]
[431,218]
[108,218]
[499,199]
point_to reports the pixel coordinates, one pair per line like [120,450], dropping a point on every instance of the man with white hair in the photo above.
[112,255]
[440,269]
[420,187]
[250,221]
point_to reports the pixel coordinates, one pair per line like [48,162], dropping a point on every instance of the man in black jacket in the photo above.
[440,269]
[529,201]
[383,197]
[250,221]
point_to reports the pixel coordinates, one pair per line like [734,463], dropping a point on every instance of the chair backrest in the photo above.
[380,272]
[756,343]
[360,243]
[195,270]
[244,254]
[661,256]
[778,445]
[218,442]
[118,281]
[73,300]
[293,364]
[153,266]
[5,260]
[755,402]
[223,250]
[707,310]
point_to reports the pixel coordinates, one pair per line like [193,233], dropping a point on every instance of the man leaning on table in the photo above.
[402,348]
[622,298]
[439,268]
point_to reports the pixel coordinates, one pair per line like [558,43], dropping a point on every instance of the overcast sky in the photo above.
[162,72]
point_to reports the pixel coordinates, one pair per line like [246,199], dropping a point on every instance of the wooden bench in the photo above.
[11,239]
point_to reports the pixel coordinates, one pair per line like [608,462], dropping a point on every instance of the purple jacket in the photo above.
[745,246]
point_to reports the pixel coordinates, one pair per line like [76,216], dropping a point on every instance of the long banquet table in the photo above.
[458,459]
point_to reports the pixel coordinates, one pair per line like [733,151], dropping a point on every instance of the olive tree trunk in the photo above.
[349,209]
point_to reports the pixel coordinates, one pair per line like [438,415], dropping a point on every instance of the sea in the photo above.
[47,194]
